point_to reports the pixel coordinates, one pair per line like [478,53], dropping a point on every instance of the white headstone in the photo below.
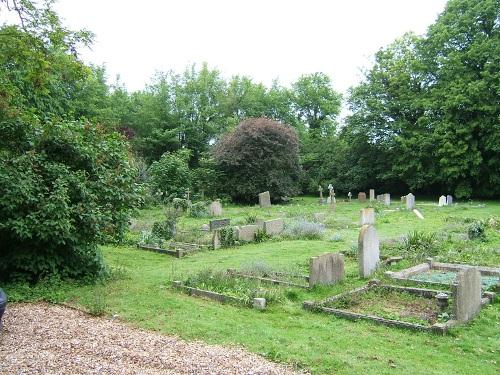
[372,195]
[368,250]
[449,200]
[418,213]
[215,208]
[442,201]
[265,199]
[410,201]
[387,199]
[367,216]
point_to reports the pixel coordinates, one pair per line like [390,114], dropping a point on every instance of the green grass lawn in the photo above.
[140,293]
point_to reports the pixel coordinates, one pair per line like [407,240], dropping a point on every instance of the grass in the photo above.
[140,293]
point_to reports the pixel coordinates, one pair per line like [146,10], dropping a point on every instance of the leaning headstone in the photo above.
[326,269]
[372,195]
[442,201]
[272,227]
[319,217]
[265,199]
[410,201]
[368,250]
[216,240]
[215,208]
[361,197]
[449,200]
[467,294]
[387,199]
[367,216]
[418,213]
[219,223]
[246,232]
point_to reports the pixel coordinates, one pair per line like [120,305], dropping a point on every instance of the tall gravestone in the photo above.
[403,200]
[372,195]
[449,200]
[387,199]
[215,208]
[467,294]
[410,201]
[380,198]
[368,250]
[367,216]
[326,269]
[265,199]
[442,201]
[361,197]
[216,240]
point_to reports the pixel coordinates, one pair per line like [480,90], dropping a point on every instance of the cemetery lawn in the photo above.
[140,293]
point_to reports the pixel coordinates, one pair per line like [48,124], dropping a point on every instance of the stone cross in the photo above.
[187,193]
[320,189]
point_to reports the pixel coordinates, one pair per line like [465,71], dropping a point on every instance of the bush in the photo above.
[305,230]
[257,156]
[198,209]
[163,229]
[227,237]
[475,231]
[418,245]
[64,187]
[170,175]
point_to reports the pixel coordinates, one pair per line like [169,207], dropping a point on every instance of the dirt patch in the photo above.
[48,339]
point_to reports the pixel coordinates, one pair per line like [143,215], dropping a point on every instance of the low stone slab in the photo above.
[246,232]
[467,293]
[274,227]
[367,216]
[368,250]
[326,269]
[265,199]
[219,223]
[215,208]
[319,217]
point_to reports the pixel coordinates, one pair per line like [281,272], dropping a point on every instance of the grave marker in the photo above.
[272,227]
[219,223]
[372,195]
[442,201]
[265,199]
[216,240]
[361,197]
[215,208]
[368,250]
[326,269]
[246,232]
[387,199]
[367,216]
[467,294]
[410,201]
[349,195]
[449,200]
[320,189]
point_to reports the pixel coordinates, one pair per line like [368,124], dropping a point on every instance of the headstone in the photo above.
[403,200]
[467,294]
[246,232]
[272,227]
[259,303]
[387,199]
[319,217]
[367,216]
[361,197]
[320,189]
[380,198]
[372,195]
[205,227]
[418,213]
[349,195]
[368,250]
[219,223]
[410,201]
[216,240]
[265,199]
[326,269]
[215,208]
[449,200]
[442,201]
[259,223]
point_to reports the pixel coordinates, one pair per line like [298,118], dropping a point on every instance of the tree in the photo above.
[170,176]
[258,155]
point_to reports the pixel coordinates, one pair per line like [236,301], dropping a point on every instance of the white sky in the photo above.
[262,39]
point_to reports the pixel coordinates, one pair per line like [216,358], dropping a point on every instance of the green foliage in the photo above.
[164,229]
[305,230]
[257,156]
[227,237]
[261,236]
[180,204]
[419,245]
[171,175]
[198,209]
[476,231]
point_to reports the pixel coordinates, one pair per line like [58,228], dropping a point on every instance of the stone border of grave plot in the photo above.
[177,251]
[234,272]
[404,275]
[440,328]
[257,303]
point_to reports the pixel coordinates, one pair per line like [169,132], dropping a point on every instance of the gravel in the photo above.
[49,339]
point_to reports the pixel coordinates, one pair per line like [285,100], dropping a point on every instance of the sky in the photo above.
[261,39]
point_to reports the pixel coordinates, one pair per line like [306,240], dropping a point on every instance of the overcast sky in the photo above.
[259,38]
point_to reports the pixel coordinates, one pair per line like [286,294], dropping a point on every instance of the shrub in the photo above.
[418,245]
[475,231]
[170,175]
[261,236]
[227,237]
[163,229]
[303,229]
[180,204]
[258,155]
[64,187]
[198,209]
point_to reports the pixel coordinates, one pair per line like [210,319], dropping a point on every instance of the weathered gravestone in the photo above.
[367,216]
[326,269]
[418,213]
[319,217]
[403,200]
[467,294]
[380,198]
[219,223]
[387,199]
[216,240]
[272,227]
[449,200]
[410,201]
[442,201]
[320,189]
[368,250]
[246,232]
[361,197]
[265,199]
[372,195]
[349,195]
[215,208]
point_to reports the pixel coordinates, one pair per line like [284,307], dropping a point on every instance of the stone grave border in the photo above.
[235,272]
[219,297]
[440,328]
[404,275]
[176,249]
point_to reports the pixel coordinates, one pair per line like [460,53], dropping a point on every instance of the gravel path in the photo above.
[48,339]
